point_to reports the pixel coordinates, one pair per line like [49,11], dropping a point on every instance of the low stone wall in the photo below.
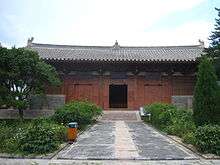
[47,101]
[40,106]
[28,114]
[183,101]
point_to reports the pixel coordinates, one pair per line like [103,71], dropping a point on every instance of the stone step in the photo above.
[120,116]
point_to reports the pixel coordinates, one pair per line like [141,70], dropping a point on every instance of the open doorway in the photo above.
[118,96]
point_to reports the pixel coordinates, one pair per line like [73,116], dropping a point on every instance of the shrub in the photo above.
[10,133]
[77,111]
[171,119]
[5,133]
[208,138]
[180,127]
[217,112]
[205,95]
[189,138]
[156,110]
[166,117]
[42,137]
[181,123]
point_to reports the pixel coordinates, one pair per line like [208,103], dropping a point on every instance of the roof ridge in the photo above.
[94,46]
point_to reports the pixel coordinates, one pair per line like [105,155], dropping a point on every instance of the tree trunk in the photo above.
[21,114]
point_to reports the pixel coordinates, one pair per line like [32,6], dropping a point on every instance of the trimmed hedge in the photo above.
[78,111]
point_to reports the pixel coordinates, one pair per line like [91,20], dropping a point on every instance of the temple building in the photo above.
[123,77]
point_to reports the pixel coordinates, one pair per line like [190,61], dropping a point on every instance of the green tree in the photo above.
[205,95]
[4,74]
[22,74]
[214,49]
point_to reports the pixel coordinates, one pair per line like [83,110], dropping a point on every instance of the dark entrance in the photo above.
[118,95]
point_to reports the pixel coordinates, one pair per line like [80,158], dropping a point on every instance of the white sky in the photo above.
[101,22]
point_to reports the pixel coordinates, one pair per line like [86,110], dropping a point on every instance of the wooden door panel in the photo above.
[80,92]
[83,92]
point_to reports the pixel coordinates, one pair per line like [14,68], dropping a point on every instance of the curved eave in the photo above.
[123,60]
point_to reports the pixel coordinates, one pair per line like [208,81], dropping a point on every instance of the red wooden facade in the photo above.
[141,87]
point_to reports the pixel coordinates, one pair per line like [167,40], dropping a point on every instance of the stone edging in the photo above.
[32,156]
[213,156]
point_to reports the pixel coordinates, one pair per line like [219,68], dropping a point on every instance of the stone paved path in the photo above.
[125,140]
[96,143]
[153,145]
[124,145]
[105,162]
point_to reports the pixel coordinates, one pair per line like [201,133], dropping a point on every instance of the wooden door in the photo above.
[80,92]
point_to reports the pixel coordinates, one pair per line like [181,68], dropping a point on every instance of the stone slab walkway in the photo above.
[125,141]
[96,143]
[124,144]
[155,146]
[106,162]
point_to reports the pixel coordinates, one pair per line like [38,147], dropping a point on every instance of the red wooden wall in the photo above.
[140,90]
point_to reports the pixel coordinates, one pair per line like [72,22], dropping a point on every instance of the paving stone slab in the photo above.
[125,140]
[106,162]
[95,143]
[153,145]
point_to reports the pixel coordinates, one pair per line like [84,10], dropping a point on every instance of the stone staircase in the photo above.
[120,116]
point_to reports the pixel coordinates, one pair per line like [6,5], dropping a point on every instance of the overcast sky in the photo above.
[101,22]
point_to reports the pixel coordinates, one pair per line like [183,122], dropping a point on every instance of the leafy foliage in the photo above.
[215,37]
[189,138]
[77,111]
[205,103]
[23,73]
[214,49]
[160,113]
[156,110]
[10,133]
[181,123]
[208,139]
[171,119]
[42,137]
[31,136]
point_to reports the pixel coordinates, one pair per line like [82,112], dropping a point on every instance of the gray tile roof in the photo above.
[117,53]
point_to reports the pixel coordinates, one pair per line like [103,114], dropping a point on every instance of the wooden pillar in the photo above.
[136,101]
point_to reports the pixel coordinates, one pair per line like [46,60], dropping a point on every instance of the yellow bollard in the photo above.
[72,132]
